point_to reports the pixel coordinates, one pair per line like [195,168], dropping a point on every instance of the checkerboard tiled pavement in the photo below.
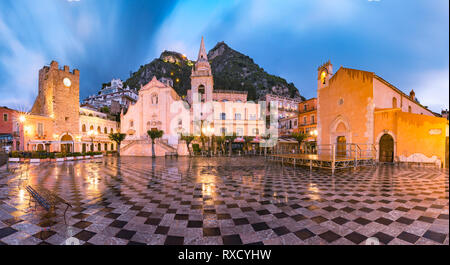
[226,201]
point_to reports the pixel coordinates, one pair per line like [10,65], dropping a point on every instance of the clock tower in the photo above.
[59,98]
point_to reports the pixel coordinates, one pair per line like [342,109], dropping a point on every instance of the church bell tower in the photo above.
[201,77]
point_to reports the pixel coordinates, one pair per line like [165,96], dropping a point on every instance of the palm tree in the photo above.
[188,139]
[220,141]
[118,138]
[247,140]
[154,134]
[300,137]
[230,139]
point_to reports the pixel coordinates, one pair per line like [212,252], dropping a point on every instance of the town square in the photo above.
[201,145]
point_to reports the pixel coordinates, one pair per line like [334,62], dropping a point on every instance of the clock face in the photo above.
[67,82]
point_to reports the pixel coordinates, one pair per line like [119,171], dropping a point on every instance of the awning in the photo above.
[239,140]
[287,141]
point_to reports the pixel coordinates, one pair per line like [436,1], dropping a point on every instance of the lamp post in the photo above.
[314,134]
[92,134]
[208,131]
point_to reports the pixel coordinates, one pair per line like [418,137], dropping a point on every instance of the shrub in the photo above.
[196,148]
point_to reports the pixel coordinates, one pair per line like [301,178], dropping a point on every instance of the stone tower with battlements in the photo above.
[59,98]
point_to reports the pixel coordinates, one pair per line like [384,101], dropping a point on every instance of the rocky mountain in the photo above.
[232,70]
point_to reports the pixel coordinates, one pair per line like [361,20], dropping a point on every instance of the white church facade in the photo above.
[159,107]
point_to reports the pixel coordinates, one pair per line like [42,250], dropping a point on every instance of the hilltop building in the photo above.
[113,96]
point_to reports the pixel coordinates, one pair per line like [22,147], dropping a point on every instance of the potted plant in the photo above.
[14,157]
[52,157]
[60,157]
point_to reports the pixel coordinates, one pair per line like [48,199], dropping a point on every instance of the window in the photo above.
[223,116]
[154,99]
[66,118]
[255,131]
[40,129]
[295,123]
[304,120]
[394,103]
[252,117]
[409,109]
[305,107]
[237,116]
[83,128]
[111,131]
[105,130]
[131,123]
[223,131]
[5,117]
[91,128]
[312,118]
[239,131]
[99,130]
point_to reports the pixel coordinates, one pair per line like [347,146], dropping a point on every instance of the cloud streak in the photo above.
[405,44]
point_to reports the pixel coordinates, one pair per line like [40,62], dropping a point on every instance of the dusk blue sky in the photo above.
[404,42]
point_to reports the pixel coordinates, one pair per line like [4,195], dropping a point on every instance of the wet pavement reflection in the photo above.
[237,200]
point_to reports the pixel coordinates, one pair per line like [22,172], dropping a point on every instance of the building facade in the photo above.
[205,111]
[55,122]
[307,119]
[359,107]
[10,130]
[114,96]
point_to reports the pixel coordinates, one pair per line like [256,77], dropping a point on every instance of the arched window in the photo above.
[409,109]
[83,128]
[394,102]
[91,128]
[323,76]
[99,130]
[154,99]
[105,130]
[111,131]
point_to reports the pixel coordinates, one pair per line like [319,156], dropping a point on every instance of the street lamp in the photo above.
[92,134]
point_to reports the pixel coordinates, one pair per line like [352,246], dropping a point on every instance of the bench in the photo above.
[47,199]
[171,154]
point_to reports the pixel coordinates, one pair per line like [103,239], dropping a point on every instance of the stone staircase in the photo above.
[142,147]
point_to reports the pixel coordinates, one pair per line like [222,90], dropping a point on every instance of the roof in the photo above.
[367,74]
[401,92]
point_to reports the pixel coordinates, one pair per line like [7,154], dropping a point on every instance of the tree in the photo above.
[300,137]
[247,140]
[154,134]
[104,109]
[220,140]
[230,139]
[118,138]
[188,139]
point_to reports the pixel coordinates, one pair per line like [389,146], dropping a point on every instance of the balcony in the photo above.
[307,110]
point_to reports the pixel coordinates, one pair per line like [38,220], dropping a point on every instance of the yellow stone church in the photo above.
[360,107]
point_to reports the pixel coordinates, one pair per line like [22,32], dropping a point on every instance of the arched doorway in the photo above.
[66,147]
[386,148]
[40,147]
[341,146]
